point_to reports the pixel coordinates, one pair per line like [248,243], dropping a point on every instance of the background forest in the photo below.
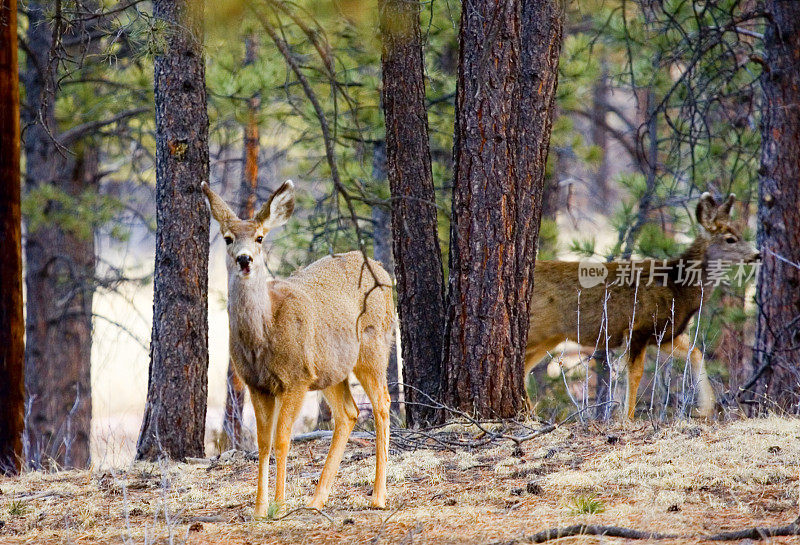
[656,103]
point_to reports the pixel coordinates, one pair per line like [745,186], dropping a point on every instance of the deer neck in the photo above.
[249,302]
[695,255]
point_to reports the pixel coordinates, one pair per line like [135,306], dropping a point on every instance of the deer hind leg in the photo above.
[264,406]
[345,414]
[290,404]
[705,393]
[635,372]
[534,353]
[374,385]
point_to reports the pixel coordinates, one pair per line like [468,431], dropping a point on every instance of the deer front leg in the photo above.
[290,404]
[264,407]
[345,414]
[635,371]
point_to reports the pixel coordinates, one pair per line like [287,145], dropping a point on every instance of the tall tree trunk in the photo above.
[382,252]
[174,419]
[775,383]
[234,401]
[60,270]
[12,322]
[418,258]
[506,89]
[600,138]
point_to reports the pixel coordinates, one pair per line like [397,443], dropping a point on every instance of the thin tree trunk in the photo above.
[234,401]
[174,419]
[506,88]
[600,138]
[382,252]
[775,382]
[12,322]
[418,258]
[60,270]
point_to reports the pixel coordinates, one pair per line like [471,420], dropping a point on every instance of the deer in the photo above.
[657,305]
[306,332]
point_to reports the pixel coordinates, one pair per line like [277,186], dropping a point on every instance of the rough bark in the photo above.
[506,87]
[234,400]
[60,271]
[775,382]
[418,259]
[382,252]
[174,420]
[12,322]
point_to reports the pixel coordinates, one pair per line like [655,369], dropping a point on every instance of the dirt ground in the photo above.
[688,478]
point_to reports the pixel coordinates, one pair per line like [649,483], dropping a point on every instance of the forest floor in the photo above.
[688,478]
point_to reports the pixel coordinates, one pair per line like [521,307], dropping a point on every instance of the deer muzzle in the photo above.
[244,261]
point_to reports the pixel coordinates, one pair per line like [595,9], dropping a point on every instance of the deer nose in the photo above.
[243,260]
[757,257]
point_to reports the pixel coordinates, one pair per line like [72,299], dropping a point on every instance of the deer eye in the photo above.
[731,239]
[228,240]
[259,239]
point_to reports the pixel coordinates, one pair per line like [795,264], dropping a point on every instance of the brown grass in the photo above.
[688,478]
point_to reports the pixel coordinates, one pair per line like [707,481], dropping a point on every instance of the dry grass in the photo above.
[688,478]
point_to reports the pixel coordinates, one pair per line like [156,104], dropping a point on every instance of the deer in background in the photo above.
[638,313]
[303,333]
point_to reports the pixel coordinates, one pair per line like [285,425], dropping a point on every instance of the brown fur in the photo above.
[304,333]
[562,310]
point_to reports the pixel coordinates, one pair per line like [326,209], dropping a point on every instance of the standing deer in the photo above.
[640,312]
[302,333]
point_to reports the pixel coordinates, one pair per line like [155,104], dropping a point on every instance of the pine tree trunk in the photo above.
[60,272]
[12,322]
[775,383]
[599,135]
[418,258]
[506,88]
[174,420]
[234,400]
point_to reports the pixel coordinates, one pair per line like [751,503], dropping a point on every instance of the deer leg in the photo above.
[264,406]
[705,393]
[375,387]
[635,372]
[534,353]
[290,404]
[345,414]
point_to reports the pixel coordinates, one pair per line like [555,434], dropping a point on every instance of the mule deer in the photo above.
[302,333]
[657,303]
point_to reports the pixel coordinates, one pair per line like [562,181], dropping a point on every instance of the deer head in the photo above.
[725,241]
[244,237]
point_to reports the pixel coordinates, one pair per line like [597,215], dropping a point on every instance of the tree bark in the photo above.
[234,401]
[418,258]
[775,382]
[506,87]
[382,252]
[600,138]
[174,419]
[12,322]
[60,272]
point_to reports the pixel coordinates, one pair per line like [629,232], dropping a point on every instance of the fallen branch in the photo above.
[327,434]
[587,530]
[792,529]
[755,533]
[301,509]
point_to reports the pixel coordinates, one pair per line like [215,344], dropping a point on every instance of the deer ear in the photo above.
[706,210]
[277,210]
[724,211]
[219,208]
